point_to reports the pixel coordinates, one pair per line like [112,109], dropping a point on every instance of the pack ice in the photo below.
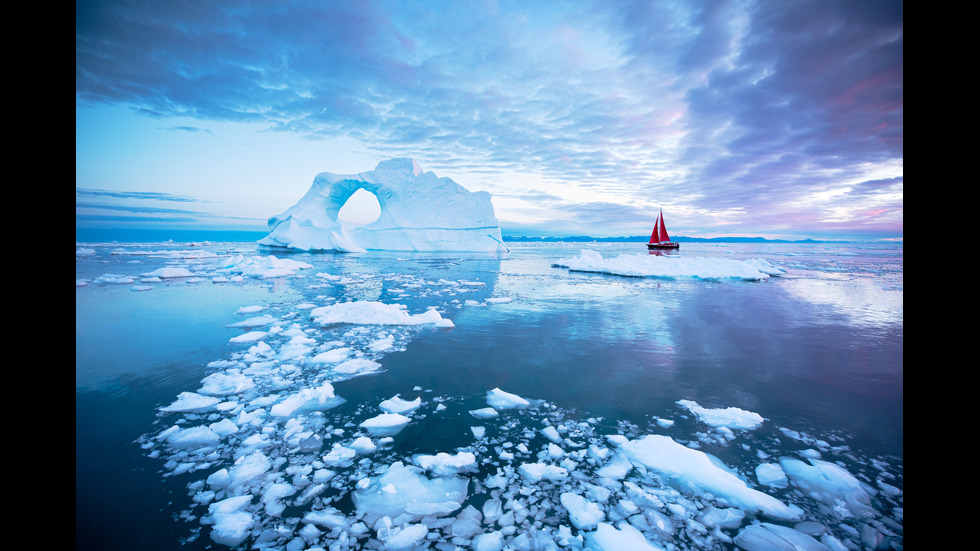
[419,212]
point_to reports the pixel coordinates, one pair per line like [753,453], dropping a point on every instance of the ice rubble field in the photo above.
[271,465]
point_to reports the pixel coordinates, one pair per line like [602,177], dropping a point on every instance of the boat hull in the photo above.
[658,246]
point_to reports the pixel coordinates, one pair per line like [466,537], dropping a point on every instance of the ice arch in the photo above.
[419,212]
[362,208]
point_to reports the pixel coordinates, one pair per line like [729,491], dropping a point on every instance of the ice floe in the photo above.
[635,265]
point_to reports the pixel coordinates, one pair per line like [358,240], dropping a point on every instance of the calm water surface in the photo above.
[816,350]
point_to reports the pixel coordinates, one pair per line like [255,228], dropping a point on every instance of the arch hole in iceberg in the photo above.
[361,208]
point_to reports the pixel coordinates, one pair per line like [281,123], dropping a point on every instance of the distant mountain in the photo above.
[645,238]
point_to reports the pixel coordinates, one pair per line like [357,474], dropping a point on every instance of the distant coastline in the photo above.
[645,238]
[104,235]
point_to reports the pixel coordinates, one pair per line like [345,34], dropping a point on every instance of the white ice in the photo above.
[366,312]
[774,537]
[675,461]
[386,424]
[831,484]
[404,491]
[262,267]
[444,464]
[419,212]
[231,522]
[731,417]
[499,399]
[610,538]
[396,404]
[636,265]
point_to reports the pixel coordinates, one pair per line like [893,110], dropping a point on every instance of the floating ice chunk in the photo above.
[114,278]
[264,266]
[250,336]
[403,491]
[247,468]
[320,398]
[331,356]
[357,367]
[535,472]
[490,541]
[340,456]
[467,523]
[635,265]
[82,251]
[504,400]
[224,427]
[193,437]
[608,538]
[583,514]
[551,433]
[397,405]
[329,518]
[273,495]
[226,383]
[695,468]
[444,464]
[257,321]
[499,300]
[484,413]
[386,424]
[555,451]
[729,517]
[364,445]
[732,418]
[297,347]
[405,538]
[245,310]
[382,344]
[187,402]
[833,485]
[771,474]
[773,537]
[617,467]
[363,312]
[169,272]
[231,523]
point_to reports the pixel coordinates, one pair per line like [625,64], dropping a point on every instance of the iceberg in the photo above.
[419,212]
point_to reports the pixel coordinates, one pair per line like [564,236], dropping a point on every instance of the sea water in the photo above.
[811,353]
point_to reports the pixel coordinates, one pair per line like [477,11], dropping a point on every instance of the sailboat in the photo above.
[659,239]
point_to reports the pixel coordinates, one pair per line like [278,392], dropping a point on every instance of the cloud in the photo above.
[147,195]
[140,208]
[750,105]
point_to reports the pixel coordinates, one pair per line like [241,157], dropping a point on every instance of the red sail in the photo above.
[661,229]
[653,236]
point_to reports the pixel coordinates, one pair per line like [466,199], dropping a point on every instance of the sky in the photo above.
[766,118]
